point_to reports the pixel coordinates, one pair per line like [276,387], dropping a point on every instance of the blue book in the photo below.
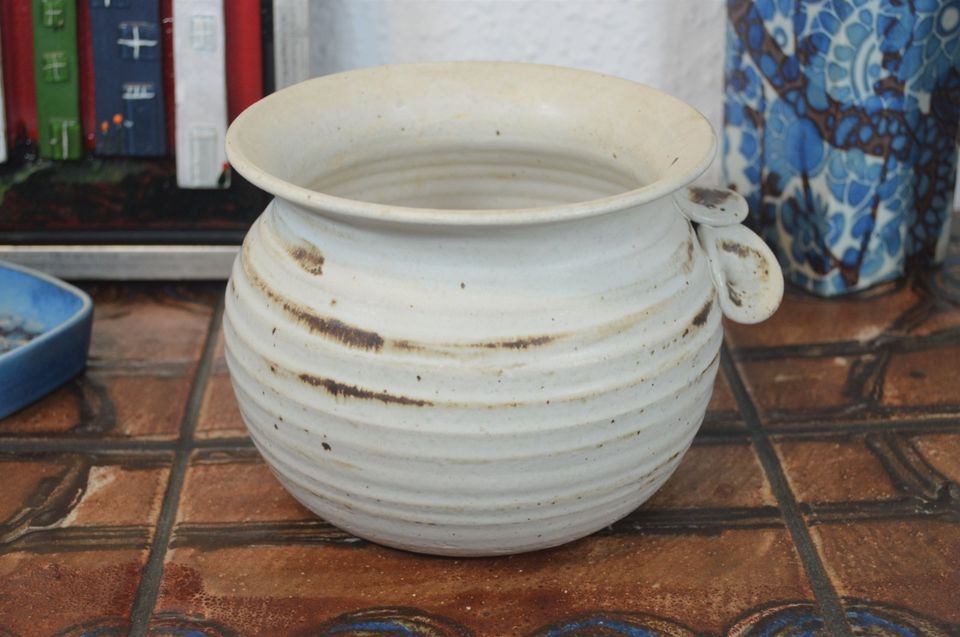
[128,76]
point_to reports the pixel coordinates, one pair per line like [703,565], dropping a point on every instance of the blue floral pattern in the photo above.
[840,130]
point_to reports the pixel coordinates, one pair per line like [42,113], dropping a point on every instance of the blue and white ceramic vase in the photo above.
[841,131]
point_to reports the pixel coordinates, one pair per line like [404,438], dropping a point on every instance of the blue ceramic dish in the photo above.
[44,334]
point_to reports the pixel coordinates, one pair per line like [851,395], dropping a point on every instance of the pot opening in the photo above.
[502,175]
[510,143]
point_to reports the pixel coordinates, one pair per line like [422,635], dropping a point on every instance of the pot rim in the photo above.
[246,164]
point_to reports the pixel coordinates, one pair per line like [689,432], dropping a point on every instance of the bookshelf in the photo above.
[117,208]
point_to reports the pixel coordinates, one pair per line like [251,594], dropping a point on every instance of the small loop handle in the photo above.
[745,272]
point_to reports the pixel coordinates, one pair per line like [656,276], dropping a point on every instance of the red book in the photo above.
[170,106]
[88,93]
[19,90]
[244,55]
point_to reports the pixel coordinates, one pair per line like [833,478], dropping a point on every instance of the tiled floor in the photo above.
[821,497]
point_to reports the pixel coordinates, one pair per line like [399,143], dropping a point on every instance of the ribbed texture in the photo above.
[472,391]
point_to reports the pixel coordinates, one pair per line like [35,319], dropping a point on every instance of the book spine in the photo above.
[3,111]
[169,105]
[19,87]
[201,93]
[88,118]
[56,72]
[291,41]
[127,60]
[266,40]
[244,55]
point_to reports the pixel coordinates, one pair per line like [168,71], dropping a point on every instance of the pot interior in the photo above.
[476,176]
[494,137]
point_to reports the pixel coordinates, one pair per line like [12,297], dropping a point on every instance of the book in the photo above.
[169,107]
[88,117]
[128,76]
[57,82]
[201,93]
[291,42]
[266,40]
[16,20]
[244,53]
[3,118]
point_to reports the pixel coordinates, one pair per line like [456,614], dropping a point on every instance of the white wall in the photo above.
[674,45]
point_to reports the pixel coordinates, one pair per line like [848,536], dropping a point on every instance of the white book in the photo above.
[200,93]
[291,42]
[3,121]
[956,193]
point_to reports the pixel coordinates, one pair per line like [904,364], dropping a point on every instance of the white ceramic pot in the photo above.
[476,318]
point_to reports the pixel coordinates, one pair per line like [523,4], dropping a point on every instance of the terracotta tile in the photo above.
[835,471]
[796,388]
[53,493]
[109,403]
[20,481]
[211,494]
[804,318]
[908,563]
[74,537]
[873,386]
[118,495]
[723,415]
[715,475]
[148,323]
[722,399]
[942,451]
[57,412]
[701,581]
[219,413]
[218,355]
[266,586]
[46,593]
[924,378]
[150,406]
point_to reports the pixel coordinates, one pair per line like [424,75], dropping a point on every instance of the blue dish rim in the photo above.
[85,309]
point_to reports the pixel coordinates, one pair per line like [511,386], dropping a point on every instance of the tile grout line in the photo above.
[149,587]
[834,616]
[101,445]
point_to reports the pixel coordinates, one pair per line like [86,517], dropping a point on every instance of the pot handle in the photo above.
[712,206]
[745,271]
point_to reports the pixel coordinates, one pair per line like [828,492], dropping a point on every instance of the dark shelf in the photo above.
[118,201]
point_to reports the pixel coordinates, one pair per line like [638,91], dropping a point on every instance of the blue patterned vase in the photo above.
[841,131]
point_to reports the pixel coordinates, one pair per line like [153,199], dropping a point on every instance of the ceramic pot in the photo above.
[477,318]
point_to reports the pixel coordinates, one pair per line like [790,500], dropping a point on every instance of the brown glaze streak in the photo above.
[520,343]
[334,328]
[709,197]
[740,250]
[342,390]
[308,259]
[338,330]
[702,315]
[734,295]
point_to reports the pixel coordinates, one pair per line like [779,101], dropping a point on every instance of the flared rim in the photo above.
[244,160]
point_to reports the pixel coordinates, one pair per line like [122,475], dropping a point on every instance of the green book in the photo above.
[55,64]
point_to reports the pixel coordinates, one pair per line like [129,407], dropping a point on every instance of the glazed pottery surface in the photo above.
[477,318]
